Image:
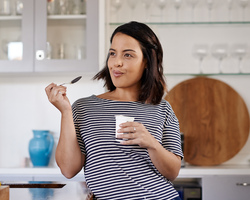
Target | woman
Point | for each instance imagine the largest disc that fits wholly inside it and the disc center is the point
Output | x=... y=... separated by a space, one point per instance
x=143 y=162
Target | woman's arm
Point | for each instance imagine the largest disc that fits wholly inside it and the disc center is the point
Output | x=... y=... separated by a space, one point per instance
x=68 y=154
x=167 y=163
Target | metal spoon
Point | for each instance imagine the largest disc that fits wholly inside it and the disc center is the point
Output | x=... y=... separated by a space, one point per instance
x=73 y=81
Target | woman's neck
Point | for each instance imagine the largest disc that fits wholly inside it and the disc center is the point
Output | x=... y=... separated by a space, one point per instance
x=120 y=95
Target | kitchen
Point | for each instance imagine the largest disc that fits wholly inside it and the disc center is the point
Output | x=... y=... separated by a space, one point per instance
x=24 y=105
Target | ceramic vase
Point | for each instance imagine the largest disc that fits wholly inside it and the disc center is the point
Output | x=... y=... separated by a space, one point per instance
x=40 y=148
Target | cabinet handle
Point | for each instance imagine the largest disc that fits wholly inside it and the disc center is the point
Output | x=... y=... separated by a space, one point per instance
x=243 y=184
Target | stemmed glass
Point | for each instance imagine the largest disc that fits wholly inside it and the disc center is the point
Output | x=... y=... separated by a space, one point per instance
x=161 y=4
x=192 y=3
x=230 y=6
x=243 y=4
x=177 y=5
x=200 y=51
x=220 y=51
x=132 y=5
x=210 y=7
x=117 y=4
x=146 y=4
x=239 y=51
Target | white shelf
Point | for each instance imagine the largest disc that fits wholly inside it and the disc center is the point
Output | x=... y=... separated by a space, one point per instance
x=10 y=17
x=67 y=17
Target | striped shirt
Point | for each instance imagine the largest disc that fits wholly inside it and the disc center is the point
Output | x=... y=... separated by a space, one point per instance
x=114 y=171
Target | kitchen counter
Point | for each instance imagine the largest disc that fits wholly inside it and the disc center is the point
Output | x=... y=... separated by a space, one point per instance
x=199 y=172
x=54 y=174
x=36 y=174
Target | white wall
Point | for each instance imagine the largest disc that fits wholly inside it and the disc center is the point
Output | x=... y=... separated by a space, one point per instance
x=24 y=106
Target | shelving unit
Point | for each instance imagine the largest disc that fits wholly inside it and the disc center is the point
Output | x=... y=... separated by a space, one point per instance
x=74 y=36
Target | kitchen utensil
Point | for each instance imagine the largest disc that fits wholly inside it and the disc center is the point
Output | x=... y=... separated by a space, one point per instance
x=73 y=81
x=213 y=118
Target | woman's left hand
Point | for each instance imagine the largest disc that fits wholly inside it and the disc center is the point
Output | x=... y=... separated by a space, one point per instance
x=136 y=133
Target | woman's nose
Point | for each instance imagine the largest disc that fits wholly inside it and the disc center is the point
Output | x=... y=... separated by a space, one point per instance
x=118 y=62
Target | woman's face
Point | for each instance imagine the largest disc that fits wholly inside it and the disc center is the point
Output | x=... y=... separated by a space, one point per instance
x=126 y=63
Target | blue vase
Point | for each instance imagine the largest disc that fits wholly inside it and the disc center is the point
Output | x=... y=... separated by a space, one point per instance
x=40 y=148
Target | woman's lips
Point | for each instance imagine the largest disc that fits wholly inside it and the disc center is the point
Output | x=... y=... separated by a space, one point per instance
x=117 y=73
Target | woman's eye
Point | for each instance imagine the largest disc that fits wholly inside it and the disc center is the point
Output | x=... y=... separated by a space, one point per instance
x=111 y=53
x=128 y=55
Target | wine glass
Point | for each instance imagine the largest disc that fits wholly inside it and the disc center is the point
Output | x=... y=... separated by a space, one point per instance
x=210 y=4
x=132 y=5
x=243 y=4
x=192 y=3
x=230 y=6
x=200 y=51
x=116 y=4
x=177 y=5
x=146 y=4
x=220 y=51
x=239 y=51
x=161 y=4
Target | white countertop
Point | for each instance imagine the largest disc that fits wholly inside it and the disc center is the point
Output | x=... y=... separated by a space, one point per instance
x=36 y=174
x=54 y=174
x=198 y=171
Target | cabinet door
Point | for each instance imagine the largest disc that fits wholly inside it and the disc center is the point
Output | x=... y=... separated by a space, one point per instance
x=16 y=37
x=226 y=187
x=65 y=41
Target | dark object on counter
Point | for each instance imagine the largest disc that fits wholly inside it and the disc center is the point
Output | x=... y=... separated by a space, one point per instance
x=213 y=117
x=34 y=185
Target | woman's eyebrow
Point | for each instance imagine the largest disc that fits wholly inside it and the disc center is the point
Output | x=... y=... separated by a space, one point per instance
x=129 y=50
x=125 y=50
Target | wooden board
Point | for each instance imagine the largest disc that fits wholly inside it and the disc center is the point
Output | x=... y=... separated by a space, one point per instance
x=213 y=118
x=4 y=193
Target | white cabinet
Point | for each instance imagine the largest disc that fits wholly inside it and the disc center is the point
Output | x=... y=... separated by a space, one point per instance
x=228 y=187
x=51 y=43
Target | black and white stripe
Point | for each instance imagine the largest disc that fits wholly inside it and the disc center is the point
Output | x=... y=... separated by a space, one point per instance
x=114 y=171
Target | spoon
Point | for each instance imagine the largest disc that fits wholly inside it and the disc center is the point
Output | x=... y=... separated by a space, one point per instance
x=73 y=81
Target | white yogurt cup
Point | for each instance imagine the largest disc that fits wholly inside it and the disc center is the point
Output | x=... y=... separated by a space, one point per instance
x=119 y=120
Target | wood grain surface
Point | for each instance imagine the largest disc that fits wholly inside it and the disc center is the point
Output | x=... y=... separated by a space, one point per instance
x=213 y=118
x=4 y=193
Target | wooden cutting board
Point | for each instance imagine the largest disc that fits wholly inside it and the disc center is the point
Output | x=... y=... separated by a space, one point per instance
x=213 y=118
x=4 y=193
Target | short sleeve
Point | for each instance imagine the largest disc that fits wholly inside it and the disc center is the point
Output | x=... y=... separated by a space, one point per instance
x=76 y=123
x=171 y=138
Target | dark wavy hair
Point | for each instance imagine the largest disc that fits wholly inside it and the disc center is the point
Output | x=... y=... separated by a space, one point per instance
x=153 y=84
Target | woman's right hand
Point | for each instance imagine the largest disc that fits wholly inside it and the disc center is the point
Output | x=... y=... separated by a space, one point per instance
x=57 y=96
